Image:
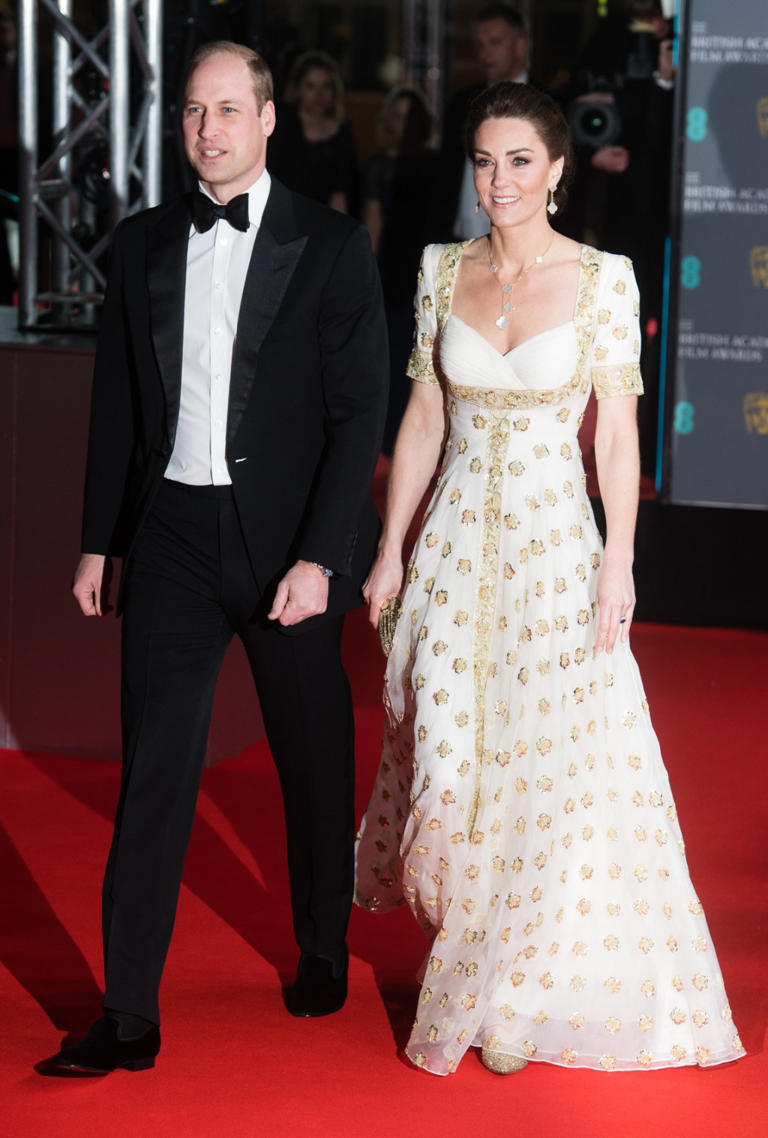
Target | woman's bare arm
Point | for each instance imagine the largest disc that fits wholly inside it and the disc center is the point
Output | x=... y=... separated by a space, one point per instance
x=618 y=471
x=417 y=451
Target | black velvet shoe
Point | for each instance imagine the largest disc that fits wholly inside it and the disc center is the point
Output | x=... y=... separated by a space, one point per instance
x=102 y=1051
x=320 y=988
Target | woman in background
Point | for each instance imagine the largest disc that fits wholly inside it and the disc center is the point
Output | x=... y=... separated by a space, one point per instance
x=312 y=150
x=397 y=186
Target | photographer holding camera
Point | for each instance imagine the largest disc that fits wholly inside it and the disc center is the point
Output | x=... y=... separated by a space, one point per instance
x=619 y=108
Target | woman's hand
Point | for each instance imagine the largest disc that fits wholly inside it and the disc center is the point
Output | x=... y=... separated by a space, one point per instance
x=385 y=580
x=616 y=601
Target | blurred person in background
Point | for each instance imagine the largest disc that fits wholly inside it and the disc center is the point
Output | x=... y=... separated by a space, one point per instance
x=9 y=147
x=313 y=149
x=398 y=184
x=501 y=45
x=619 y=105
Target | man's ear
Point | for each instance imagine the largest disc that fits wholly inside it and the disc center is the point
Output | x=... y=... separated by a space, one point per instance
x=268 y=117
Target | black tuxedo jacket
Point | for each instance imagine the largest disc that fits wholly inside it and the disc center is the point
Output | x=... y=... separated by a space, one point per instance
x=307 y=392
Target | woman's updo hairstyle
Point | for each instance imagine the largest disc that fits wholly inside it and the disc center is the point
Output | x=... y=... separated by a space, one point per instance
x=521 y=101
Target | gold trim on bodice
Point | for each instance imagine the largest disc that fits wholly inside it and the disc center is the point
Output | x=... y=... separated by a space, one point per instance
x=502 y=398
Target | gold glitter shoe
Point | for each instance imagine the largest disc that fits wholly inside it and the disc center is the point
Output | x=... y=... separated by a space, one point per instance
x=500 y=1063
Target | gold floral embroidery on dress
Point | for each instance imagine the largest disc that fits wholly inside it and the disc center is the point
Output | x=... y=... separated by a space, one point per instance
x=421 y=366
x=445 y=279
x=421 y=363
x=617 y=379
x=498 y=438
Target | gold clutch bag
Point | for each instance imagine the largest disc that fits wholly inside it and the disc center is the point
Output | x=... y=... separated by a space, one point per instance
x=388 y=616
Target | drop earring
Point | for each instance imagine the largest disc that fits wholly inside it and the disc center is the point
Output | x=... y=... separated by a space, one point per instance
x=477 y=207
x=552 y=207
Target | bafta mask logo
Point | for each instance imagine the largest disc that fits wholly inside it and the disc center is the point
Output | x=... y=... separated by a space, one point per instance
x=762 y=116
x=758 y=261
x=756 y=412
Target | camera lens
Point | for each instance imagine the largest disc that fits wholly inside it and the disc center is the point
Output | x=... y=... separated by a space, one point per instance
x=594 y=124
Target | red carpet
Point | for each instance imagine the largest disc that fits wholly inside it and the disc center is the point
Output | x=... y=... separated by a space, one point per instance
x=243 y=1067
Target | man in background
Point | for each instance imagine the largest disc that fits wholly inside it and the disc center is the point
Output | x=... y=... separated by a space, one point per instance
x=501 y=46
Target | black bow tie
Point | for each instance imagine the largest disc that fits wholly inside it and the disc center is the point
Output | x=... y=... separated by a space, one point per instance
x=206 y=213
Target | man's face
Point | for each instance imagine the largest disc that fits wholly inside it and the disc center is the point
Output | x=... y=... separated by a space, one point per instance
x=500 y=50
x=225 y=134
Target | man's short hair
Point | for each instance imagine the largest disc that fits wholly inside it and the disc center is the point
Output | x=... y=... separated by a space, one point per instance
x=504 y=12
x=260 y=74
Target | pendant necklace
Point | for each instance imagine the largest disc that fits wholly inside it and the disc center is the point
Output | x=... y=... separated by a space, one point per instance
x=506 y=304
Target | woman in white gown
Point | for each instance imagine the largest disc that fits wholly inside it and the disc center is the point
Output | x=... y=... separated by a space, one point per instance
x=522 y=808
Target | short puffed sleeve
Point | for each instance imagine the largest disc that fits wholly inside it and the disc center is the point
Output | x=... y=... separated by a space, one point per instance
x=421 y=365
x=615 y=355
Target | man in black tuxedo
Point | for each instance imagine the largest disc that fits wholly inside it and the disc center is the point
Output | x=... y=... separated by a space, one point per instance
x=501 y=45
x=238 y=403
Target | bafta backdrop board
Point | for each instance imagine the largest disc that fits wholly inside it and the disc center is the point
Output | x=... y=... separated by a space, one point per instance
x=718 y=423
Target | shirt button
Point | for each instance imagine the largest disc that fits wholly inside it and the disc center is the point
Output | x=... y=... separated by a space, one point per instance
x=217 y=377
x=217 y=422
x=217 y=331
x=219 y=286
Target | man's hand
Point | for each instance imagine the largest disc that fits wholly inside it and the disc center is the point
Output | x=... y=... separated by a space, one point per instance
x=91 y=583
x=611 y=159
x=596 y=97
x=303 y=592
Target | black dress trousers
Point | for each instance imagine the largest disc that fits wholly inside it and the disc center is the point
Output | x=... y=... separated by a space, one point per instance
x=189 y=589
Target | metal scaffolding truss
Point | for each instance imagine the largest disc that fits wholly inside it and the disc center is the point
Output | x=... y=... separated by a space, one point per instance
x=424 y=49
x=104 y=160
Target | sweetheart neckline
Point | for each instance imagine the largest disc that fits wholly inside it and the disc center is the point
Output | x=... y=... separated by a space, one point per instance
x=522 y=344
x=580 y=282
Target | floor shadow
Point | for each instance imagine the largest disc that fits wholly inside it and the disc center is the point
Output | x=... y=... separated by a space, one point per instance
x=400 y=1002
x=393 y=946
x=259 y=913
x=39 y=952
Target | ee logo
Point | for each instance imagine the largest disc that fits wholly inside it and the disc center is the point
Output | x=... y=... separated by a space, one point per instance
x=683 y=421
x=697 y=124
x=690 y=272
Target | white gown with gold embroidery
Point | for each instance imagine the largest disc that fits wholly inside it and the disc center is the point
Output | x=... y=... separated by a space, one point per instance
x=522 y=808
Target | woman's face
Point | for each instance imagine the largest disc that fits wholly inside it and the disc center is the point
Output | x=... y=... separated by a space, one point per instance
x=513 y=171
x=316 y=93
x=398 y=119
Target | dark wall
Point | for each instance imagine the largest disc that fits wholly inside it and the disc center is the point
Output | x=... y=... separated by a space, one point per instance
x=59 y=671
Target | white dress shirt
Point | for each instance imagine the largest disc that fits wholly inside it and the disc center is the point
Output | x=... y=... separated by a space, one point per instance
x=469 y=223
x=217 y=263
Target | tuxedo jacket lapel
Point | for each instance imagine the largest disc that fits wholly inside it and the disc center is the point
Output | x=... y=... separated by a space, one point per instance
x=166 y=278
x=276 y=253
